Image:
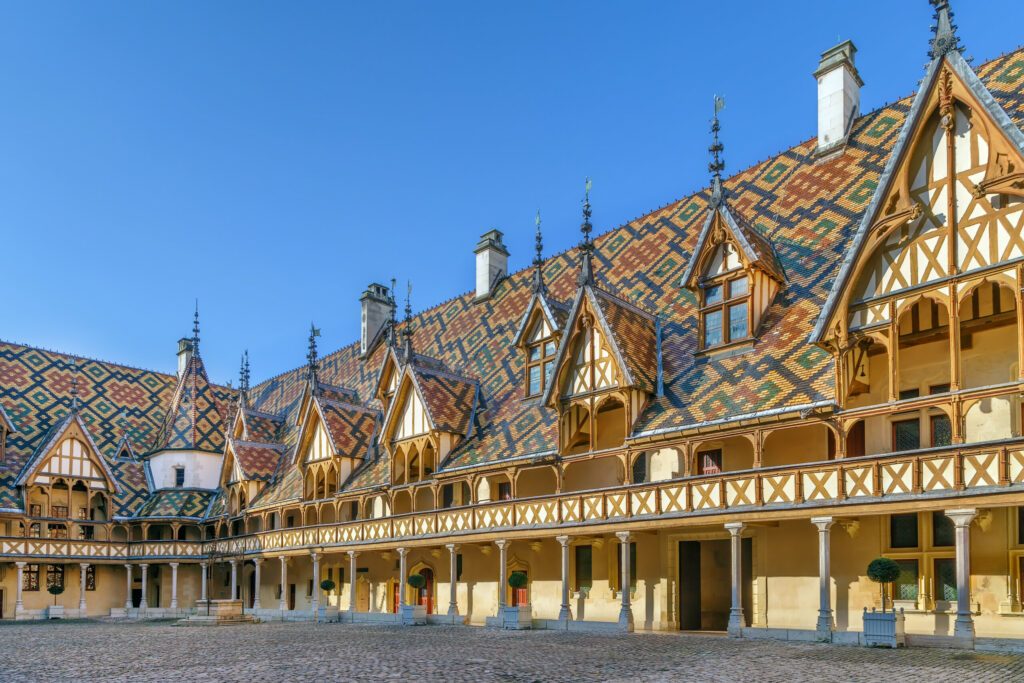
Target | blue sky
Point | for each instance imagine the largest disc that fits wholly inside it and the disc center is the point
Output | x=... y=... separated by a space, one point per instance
x=272 y=159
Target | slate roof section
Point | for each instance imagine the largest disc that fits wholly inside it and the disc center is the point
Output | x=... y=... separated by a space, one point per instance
x=449 y=399
x=634 y=334
x=261 y=427
x=756 y=248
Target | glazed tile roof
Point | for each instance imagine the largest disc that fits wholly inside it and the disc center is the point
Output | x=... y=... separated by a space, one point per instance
x=196 y=418
x=449 y=399
x=257 y=461
x=191 y=503
x=262 y=427
x=635 y=336
x=351 y=428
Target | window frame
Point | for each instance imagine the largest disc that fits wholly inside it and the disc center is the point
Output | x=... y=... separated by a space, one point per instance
x=179 y=473
x=543 y=358
x=723 y=306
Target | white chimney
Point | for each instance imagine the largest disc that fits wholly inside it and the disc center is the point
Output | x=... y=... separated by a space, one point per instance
x=376 y=305
x=491 y=262
x=839 y=87
x=184 y=353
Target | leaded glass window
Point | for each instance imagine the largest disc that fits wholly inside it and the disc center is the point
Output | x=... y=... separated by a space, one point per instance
x=906 y=435
x=945 y=579
x=903 y=531
x=943 y=530
x=906 y=585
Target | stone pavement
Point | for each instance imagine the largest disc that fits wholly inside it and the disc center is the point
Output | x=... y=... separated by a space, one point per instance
x=159 y=651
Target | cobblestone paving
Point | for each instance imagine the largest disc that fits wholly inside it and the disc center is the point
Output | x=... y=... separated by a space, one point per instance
x=109 y=651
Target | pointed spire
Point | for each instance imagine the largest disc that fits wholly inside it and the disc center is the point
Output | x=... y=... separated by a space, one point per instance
x=313 y=367
x=717 y=164
x=407 y=330
x=945 y=39
x=74 y=385
x=243 y=378
x=538 y=260
x=195 y=331
x=586 y=245
x=393 y=323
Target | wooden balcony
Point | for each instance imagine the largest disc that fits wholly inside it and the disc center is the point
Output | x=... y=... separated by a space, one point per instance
x=136 y=551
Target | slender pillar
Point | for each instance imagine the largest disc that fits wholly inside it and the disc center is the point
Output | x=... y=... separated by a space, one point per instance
x=257 y=563
x=403 y=553
x=128 y=592
x=83 y=608
x=19 y=605
x=203 y=569
x=626 y=611
x=964 y=625
x=234 y=579
x=315 y=598
x=453 y=577
x=826 y=624
x=143 y=605
x=352 y=554
x=174 y=585
x=284 y=583
x=736 y=612
x=502 y=574
x=564 y=613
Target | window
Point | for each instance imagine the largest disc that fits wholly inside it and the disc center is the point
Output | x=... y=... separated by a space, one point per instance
x=943 y=530
x=903 y=531
x=942 y=431
x=179 y=477
x=725 y=310
x=30 y=578
x=505 y=491
x=34 y=530
x=458 y=567
x=90 y=577
x=584 y=567
x=540 y=357
x=709 y=462
x=909 y=394
x=35 y=510
x=945 y=579
x=58 y=531
x=906 y=587
x=54 y=575
x=906 y=435
x=938 y=389
x=640 y=469
x=86 y=533
x=59 y=511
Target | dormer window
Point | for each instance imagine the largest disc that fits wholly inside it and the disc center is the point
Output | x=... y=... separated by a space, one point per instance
x=540 y=357
x=725 y=309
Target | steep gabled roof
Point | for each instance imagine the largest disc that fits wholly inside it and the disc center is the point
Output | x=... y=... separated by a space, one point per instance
x=351 y=428
x=756 y=248
x=6 y=422
x=260 y=426
x=57 y=432
x=195 y=420
x=555 y=312
x=256 y=461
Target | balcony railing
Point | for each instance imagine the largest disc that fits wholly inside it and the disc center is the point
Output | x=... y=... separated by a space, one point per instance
x=28 y=548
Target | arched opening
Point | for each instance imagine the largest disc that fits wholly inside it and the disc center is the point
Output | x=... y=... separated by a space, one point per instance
x=575 y=429
x=923 y=358
x=429 y=462
x=400 y=476
x=237 y=527
x=332 y=479
x=609 y=424
x=795 y=445
x=867 y=365
x=455 y=494
x=424 y=498
x=989 y=419
x=536 y=481
x=402 y=502
x=723 y=455
x=310 y=516
x=119 y=534
x=493 y=487
x=593 y=473
x=309 y=485
x=255 y=524
x=664 y=464
x=988 y=335
x=328 y=515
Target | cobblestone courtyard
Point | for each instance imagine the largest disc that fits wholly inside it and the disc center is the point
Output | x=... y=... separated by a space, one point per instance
x=91 y=651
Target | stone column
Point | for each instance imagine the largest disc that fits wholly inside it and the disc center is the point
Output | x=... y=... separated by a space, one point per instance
x=234 y=579
x=736 y=612
x=83 y=608
x=826 y=624
x=315 y=598
x=284 y=583
x=453 y=577
x=203 y=569
x=257 y=563
x=564 y=613
x=19 y=604
x=352 y=554
x=964 y=625
x=128 y=593
x=403 y=553
x=502 y=574
x=143 y=605
x=174 y=585
x=626 y=611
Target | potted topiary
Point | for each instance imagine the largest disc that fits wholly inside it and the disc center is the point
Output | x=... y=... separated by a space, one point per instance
x=55 y=611
x=884 y=629
x=327 y=611
x=520 y=616
x=416 y=613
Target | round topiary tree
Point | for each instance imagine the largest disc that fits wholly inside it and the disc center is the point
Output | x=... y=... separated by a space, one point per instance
x=55 y=590
x=417 y=581
x=517 y=580
x=327 y=585
x=883 y=570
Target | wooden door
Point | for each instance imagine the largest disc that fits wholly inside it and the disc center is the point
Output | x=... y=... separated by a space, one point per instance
x=363 y=596
x=521 y=596
x=426 y=596
x=689 y=586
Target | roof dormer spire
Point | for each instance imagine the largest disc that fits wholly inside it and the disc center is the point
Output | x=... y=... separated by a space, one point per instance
x=538 y=259
x=311 y=357
x=74 y=385
x=945 y=39
x=407 y=330
x=717 y=164
x=586 y=244
x=243 y=376
x=195 y=330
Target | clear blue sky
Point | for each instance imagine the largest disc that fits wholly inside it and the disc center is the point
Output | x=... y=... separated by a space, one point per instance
x=272 y=159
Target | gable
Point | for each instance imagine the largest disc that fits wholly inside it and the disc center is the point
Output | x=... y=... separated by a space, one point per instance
x=318 y=444
x=69 y=455
x=409 y=418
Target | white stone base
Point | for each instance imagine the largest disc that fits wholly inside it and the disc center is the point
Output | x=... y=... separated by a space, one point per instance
x=413 y=615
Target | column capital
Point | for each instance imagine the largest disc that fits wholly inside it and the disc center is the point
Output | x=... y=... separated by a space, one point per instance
x=203 y=563
x=83 y=565
x=501 y=543
x=283 y=558
x=144 y=566
x=823 y=523
x=233 y=563
x=173 y=565
x=21 y=565
x=353 y=554
x=623 y=536
x=962 y=517
x=562 y=540
x=402 y=552
x=735 y=528
x=452 y=547
x=314 y=555
x=257 y=561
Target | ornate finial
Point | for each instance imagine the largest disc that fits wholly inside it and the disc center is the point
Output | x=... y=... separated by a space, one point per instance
x=311 y=356
x=243 y=375
x=587 y=244
x=74 y=385
x=392 y=336
x=538 y=259
x=945 y=39
x=407 y=330
x=195 y=330
x=717 y=165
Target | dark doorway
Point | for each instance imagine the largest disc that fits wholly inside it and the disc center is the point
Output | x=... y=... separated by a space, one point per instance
x=252 y=588
x=291 y=596
x=426 y=596
x=136 y=597
x=1 y=603
x=705 y=586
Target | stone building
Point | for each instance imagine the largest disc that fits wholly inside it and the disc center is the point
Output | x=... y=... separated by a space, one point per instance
x=710 y=418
